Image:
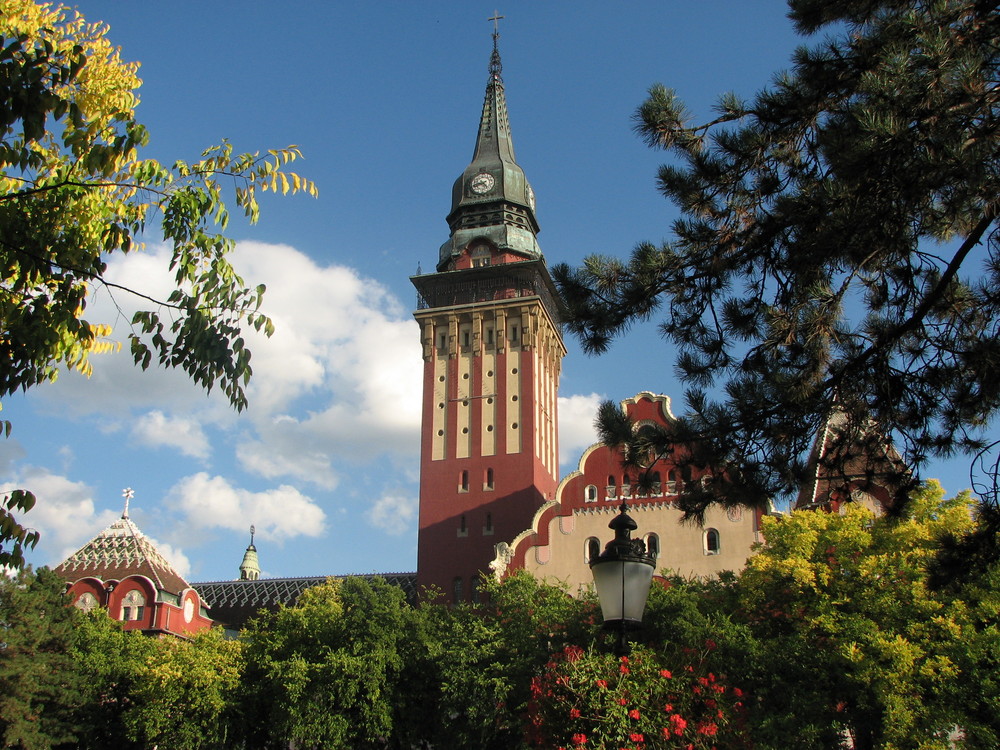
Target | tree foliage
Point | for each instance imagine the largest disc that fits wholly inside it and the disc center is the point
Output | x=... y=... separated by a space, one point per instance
x=75 y=193
x=39 y=684
x=829 y=634
x=838 y=249
x=323 y=674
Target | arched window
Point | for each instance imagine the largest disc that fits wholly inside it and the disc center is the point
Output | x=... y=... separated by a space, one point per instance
x=456 y=588
x=712 y=544
x=488 y=528
x=657 y=488
x=626 y=485
x=590 y=494
x=488 y=483
x=133 y=605
x=592 y=549
x=480 y=255
x=653 y=545
x=612 y=488
x=464 y=481
x=475 y=591
x=85 y=602
x=672 y=481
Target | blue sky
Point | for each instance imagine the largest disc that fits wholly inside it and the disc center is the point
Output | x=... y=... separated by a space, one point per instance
x=383 y=98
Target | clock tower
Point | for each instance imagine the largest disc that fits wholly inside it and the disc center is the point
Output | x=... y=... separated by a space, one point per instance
x=492 y=350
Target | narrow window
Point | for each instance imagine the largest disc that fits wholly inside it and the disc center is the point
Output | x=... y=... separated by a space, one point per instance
x=464 y=484
x=489 y=336
x=653 y=545
x=513 y=333
x=590 y=493
x=442 y=341
x=488 y=528
x=488 y=484
x=133 y=605
x=592 y=549
x=712 y=545
x=463 y=529
x=657 y=486
x=456 y=589
x=465 y=338
x=475 y=591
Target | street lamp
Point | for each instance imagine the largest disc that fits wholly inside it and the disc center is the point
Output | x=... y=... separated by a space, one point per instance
x=622 y=576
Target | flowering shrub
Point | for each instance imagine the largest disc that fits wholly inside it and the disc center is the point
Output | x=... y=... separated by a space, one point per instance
x=591 y=701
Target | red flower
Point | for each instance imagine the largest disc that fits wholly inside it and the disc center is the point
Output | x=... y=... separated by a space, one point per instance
x=536 y=686
x=710 y=644
x=634 y=713
x=708 y=729
x=573 y=653
x=579 y=739
x=668 y=708
x=677 y=723
x=623 y=669
x=602 y=684
x=574 y=713
x=737 y=692
x=636 y=737
x=665 y=673
x=622 y=702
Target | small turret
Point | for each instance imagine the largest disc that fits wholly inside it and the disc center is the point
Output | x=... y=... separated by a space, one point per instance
x=250 y=567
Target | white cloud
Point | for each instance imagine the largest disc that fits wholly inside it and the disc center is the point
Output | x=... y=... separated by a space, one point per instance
x=576 y=426
x=64 y=513
x=278 y=514
x=174 y=556
x=394 y=514
x=185 y=434
x=338 y=383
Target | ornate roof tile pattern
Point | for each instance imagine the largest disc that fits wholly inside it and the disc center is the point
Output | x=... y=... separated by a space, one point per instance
x=235 y=602
x=122 y=550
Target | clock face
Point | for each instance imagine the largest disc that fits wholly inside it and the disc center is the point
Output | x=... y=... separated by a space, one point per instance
x=188 y=610
x=482 y=183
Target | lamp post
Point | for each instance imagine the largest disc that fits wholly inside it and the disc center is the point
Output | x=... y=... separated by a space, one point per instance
x=622 y=576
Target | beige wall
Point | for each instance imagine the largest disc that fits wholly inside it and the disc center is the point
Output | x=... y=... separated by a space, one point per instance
x=682 y=546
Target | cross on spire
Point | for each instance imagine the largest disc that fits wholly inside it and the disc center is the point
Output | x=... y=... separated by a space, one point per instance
x=128 y=493
x=496 y=25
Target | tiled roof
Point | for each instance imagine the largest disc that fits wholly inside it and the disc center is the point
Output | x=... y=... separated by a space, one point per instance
x=122 y=550
x=235 y=602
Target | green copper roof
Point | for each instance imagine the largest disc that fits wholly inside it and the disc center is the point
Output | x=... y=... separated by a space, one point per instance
x=492 y=198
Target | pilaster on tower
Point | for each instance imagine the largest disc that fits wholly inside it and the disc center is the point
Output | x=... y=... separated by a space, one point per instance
x=492 y=348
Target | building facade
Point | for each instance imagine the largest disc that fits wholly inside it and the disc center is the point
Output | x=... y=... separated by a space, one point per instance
x=121 y=571
x=492 y=351
x=571 y=530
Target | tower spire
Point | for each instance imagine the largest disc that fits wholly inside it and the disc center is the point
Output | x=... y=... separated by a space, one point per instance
x=495 y=67
x=250 y=567
x=128 y=493
x=492 y=200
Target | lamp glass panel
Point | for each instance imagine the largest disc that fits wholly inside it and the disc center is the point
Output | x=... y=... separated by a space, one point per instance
x=622 y=587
